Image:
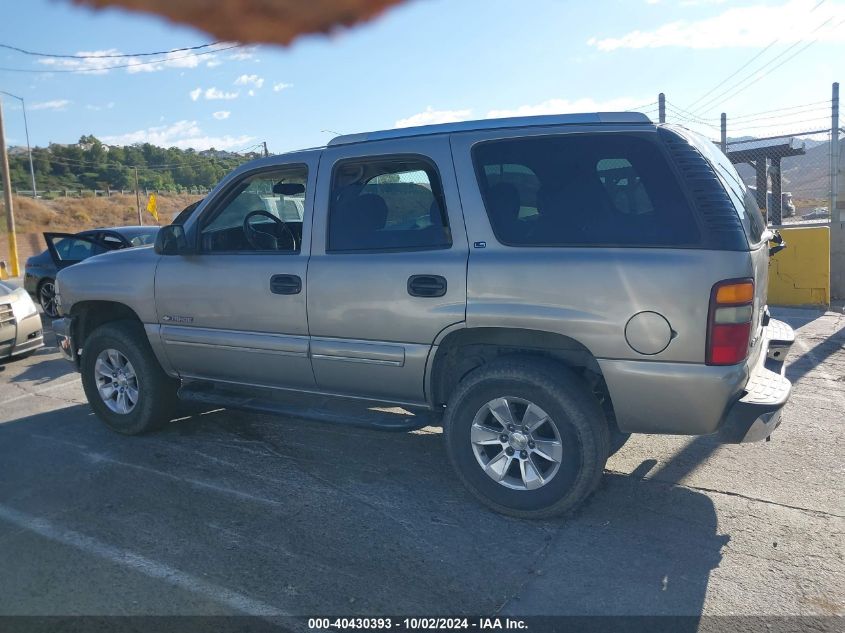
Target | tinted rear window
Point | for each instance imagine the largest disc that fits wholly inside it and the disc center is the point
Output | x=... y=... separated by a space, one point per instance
x=742 y=199
x=585 y=189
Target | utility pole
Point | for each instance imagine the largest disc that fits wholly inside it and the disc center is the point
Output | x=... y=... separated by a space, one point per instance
x=834 y=156
x=138 y=198
x=724 y=139
x=7 y=198
x=661 y=107
x=28 y=146
x=266 y=153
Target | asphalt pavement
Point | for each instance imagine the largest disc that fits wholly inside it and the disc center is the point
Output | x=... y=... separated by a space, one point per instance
x=227 y=512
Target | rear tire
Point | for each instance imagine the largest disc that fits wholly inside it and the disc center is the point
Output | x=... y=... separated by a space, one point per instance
x=573 y=429
x=122 y=347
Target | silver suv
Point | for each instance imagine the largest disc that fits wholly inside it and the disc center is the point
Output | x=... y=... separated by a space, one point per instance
x=542 y=286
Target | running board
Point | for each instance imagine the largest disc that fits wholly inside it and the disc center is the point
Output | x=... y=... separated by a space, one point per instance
x=332 y=410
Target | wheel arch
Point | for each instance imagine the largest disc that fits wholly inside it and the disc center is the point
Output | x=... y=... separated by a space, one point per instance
x=461 y=350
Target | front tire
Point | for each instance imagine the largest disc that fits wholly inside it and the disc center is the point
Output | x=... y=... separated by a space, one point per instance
x=123 y=381
x=526 y=437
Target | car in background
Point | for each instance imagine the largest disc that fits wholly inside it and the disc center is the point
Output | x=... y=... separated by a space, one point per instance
x=65 y=249
x=20 y=323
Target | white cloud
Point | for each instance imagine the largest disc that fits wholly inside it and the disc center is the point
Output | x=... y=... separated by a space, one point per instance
x=102 y=61
x=750 y=27
x=221 y=114
x=251 y=93
x=551 y=106
x=431 y=116
x=56 y=104
x=281 y=86
x=565 y=106
x=195 y=93
x=214 y=94
x=182 y=134
x=242 y=54
x=250 y=80
x=97 y=108
x=214 y=63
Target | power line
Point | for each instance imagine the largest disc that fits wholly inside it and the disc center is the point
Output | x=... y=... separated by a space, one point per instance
x=96 y=69
x=740 y=86
x=104 y=56
x=743 y=67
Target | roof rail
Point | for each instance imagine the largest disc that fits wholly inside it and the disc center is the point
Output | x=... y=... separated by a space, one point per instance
x=494 y=124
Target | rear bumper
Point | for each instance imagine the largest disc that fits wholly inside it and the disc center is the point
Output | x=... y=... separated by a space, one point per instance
x=759 y=410
x=739 y=402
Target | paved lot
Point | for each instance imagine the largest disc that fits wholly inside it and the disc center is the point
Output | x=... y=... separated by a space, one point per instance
x=227 y=512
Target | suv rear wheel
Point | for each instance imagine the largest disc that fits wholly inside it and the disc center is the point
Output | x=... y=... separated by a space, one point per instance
x=123 y=381
x=526 y=437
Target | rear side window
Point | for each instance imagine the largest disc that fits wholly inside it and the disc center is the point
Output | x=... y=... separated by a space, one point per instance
x=586 y=189
x=387 y=205
x=743 y=200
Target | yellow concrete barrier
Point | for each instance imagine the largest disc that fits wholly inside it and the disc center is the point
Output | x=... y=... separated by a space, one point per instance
x=800 y=274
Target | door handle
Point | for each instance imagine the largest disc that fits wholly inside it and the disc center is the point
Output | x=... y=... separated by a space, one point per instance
x=285 y=284
x=426 y=286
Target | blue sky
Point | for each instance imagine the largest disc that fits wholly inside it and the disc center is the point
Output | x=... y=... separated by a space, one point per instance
x=425 y=61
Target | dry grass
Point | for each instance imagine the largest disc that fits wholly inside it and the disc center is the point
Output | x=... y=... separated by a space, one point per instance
x=77 y=214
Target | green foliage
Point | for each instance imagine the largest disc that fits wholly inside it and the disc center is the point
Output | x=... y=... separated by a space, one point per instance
x=91 y=165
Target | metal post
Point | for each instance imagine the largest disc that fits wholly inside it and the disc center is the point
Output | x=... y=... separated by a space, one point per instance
x=28 y=146
x=761 y=168
x=724 y=132
x=138 y=198
x=7 y=198
x=661 y=107
x=776 y=212
x=266 y=153
x=834 y=156
x=29 y=150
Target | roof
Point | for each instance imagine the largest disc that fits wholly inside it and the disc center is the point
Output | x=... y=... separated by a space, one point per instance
x=494 y=124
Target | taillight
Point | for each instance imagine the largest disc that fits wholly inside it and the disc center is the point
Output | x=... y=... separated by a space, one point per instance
x=729 y=321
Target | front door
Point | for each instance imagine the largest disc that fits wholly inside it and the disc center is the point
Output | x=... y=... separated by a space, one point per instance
x=388 y=266
x=235 y=310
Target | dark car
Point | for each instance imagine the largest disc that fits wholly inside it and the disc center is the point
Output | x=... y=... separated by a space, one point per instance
x=65 y=249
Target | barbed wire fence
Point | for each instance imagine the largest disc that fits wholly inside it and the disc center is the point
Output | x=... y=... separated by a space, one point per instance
x=789 y=157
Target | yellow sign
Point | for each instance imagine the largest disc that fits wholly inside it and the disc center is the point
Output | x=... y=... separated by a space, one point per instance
x=151 y=206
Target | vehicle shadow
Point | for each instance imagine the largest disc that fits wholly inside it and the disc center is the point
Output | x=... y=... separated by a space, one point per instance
x=316 y=518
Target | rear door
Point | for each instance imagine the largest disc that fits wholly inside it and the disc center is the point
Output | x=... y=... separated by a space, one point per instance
x=67 y=249
x=388 y=265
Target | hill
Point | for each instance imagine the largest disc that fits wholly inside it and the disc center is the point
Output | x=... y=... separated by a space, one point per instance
x=90 y=164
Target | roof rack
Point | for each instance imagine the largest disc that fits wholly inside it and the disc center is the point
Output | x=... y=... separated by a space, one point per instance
x=493 y=124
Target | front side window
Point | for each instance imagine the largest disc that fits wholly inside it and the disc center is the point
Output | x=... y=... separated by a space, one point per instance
x=262 y=213
x=387 y=204
x=584 y=189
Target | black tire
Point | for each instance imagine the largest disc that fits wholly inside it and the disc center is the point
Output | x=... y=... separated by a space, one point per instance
x=157 y=402
x=46 y=293
x=571 y=407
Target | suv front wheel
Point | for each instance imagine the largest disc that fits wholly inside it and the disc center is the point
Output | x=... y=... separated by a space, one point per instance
x=123 y=381
x=526 y=437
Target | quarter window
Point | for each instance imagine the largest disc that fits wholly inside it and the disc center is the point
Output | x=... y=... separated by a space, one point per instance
x=387 y=204
x=585 y=189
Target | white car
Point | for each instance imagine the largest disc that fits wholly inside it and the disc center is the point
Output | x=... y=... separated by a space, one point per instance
x=20 y=323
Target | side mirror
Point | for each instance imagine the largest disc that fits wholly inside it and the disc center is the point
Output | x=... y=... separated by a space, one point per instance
x=171 y=240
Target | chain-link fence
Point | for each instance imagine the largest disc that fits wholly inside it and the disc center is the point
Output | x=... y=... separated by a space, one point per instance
x=784 y=155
